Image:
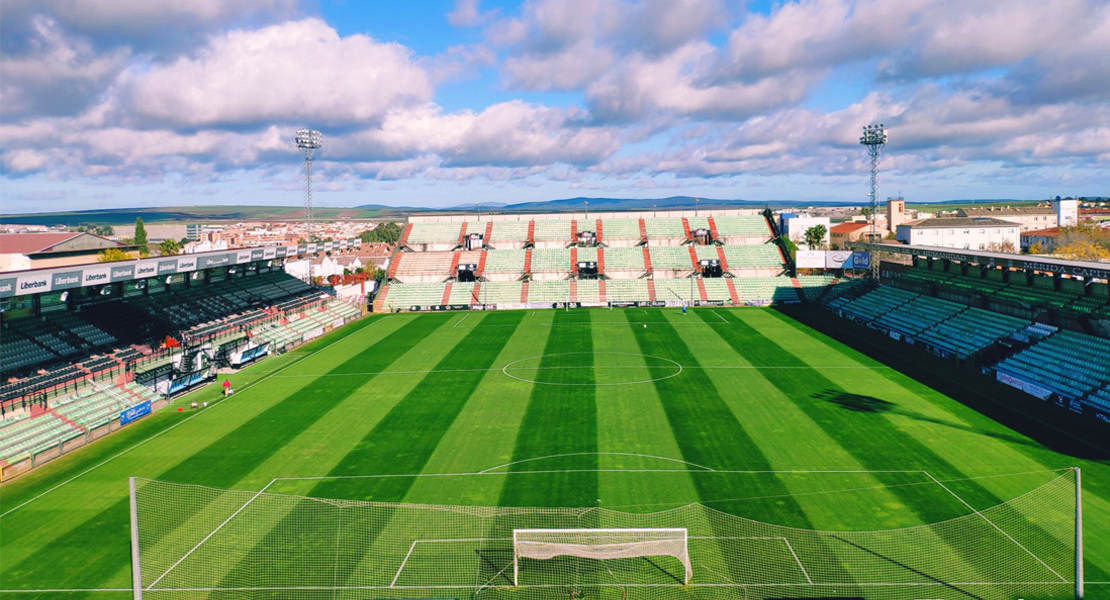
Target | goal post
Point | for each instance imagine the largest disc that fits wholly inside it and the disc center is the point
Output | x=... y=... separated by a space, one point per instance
x=601 y=544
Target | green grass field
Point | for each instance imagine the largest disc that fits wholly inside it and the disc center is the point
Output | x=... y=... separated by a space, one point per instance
x=556 y=409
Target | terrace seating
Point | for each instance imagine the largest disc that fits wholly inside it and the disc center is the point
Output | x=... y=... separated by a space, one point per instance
x=918 y=314
x=505 y=261
x=813 y=285
x=552 y=230
x=717 y=289
x=462 y=293
x=742 y=225
x=33 y=435
x=549 y=291
x=588 y=291
x=664 y=228
x=873 y=304
x=970 y=331
x=551 y=260
x=762 y=290
x=508 y=231
x=620 y=229
x=499 y=292
x=587 y=254
x=432 y=232
x=1068 y=363
x=402 y=295
x=624 y=259
x=752 y=256
x=626 y=290
x=698 y=222
x=684 y=289
x=668 y=258
x=707 y=252
x=424 y=264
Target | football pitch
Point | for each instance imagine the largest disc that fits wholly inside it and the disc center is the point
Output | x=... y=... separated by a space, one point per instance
x=743 y=412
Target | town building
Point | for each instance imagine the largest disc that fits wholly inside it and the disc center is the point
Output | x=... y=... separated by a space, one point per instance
x=1047 y=238
x=21 y=251
x=967 y=233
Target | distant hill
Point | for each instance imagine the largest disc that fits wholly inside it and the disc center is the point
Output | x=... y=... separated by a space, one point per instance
x=204 y=214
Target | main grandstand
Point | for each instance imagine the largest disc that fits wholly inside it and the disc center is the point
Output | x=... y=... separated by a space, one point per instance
x=721 y=258
x=86 y=349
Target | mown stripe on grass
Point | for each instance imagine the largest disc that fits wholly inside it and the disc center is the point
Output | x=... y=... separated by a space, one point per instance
x=401 y=443
x=229 y=458
x=560 y=419
x=709 y=434
x=855 y=421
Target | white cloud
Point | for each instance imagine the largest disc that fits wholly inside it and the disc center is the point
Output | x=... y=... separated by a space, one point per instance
x=296 y=71
x=466 y=14
x=58 y=75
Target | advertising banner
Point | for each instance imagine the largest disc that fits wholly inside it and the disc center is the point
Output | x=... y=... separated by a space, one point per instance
x=566 y=305
x=135 y=413
x=96 y=275
x=651 y=304
x=65 y=280
x=838 y=259
x=809 y=259
x=440 y=307
x=709 y=303
x=861 y=260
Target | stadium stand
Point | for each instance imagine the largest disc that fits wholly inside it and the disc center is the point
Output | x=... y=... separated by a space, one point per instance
x=626 y=290
x=554 y=231
x=551 y=260
x=752 y=256
x=1064 y=363
x=765 y=290
x=505 y=261
x=511 y=232
x=617 y=230
x=549 y=291
x=69 y=417
x=401 y=295
x=814 y=285
x=500 y=292
x=664 y=228
x=742 y=226
x=669 y=258
x=624 y=259
x=972 y=330
x=434 y=232
x=587 y=291
x=423 y=266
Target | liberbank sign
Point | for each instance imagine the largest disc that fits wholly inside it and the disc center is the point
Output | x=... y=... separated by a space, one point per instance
x=64 y=278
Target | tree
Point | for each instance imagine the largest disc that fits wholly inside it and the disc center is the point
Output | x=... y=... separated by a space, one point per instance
x=169 y=248
x=386 y=231
x=1036 y=248
x=1084 y=250
x=111 y=255
x=140 y=232
x=815 y=236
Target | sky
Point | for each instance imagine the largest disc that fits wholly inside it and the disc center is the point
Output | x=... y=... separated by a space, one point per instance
x=128 y=103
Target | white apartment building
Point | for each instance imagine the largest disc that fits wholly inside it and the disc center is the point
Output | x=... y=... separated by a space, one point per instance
x=978 y=233
x=1030 y=218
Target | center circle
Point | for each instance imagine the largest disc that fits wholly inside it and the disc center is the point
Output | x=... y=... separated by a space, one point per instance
x=592 y=369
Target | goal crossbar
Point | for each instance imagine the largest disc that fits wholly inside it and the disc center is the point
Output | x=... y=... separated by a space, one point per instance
x=602 y=544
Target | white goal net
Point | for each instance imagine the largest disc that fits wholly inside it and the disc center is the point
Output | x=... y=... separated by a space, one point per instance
x=600 y=544
x=194 y=542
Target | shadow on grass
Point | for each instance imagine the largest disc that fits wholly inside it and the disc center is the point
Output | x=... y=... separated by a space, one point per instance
x=870 y=404
x=1071 y=434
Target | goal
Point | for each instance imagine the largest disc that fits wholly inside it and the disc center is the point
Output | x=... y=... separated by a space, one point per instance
x=601 y=544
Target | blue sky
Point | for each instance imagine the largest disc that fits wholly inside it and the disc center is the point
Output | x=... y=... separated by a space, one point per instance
x=127 y=103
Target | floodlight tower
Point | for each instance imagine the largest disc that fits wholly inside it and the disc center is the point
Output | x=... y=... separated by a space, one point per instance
x=874 y=139
x=308 y=142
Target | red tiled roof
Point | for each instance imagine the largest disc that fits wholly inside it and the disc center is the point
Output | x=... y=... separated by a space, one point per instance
x=1050 y=232
x=31 y=243
x=848 y=227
